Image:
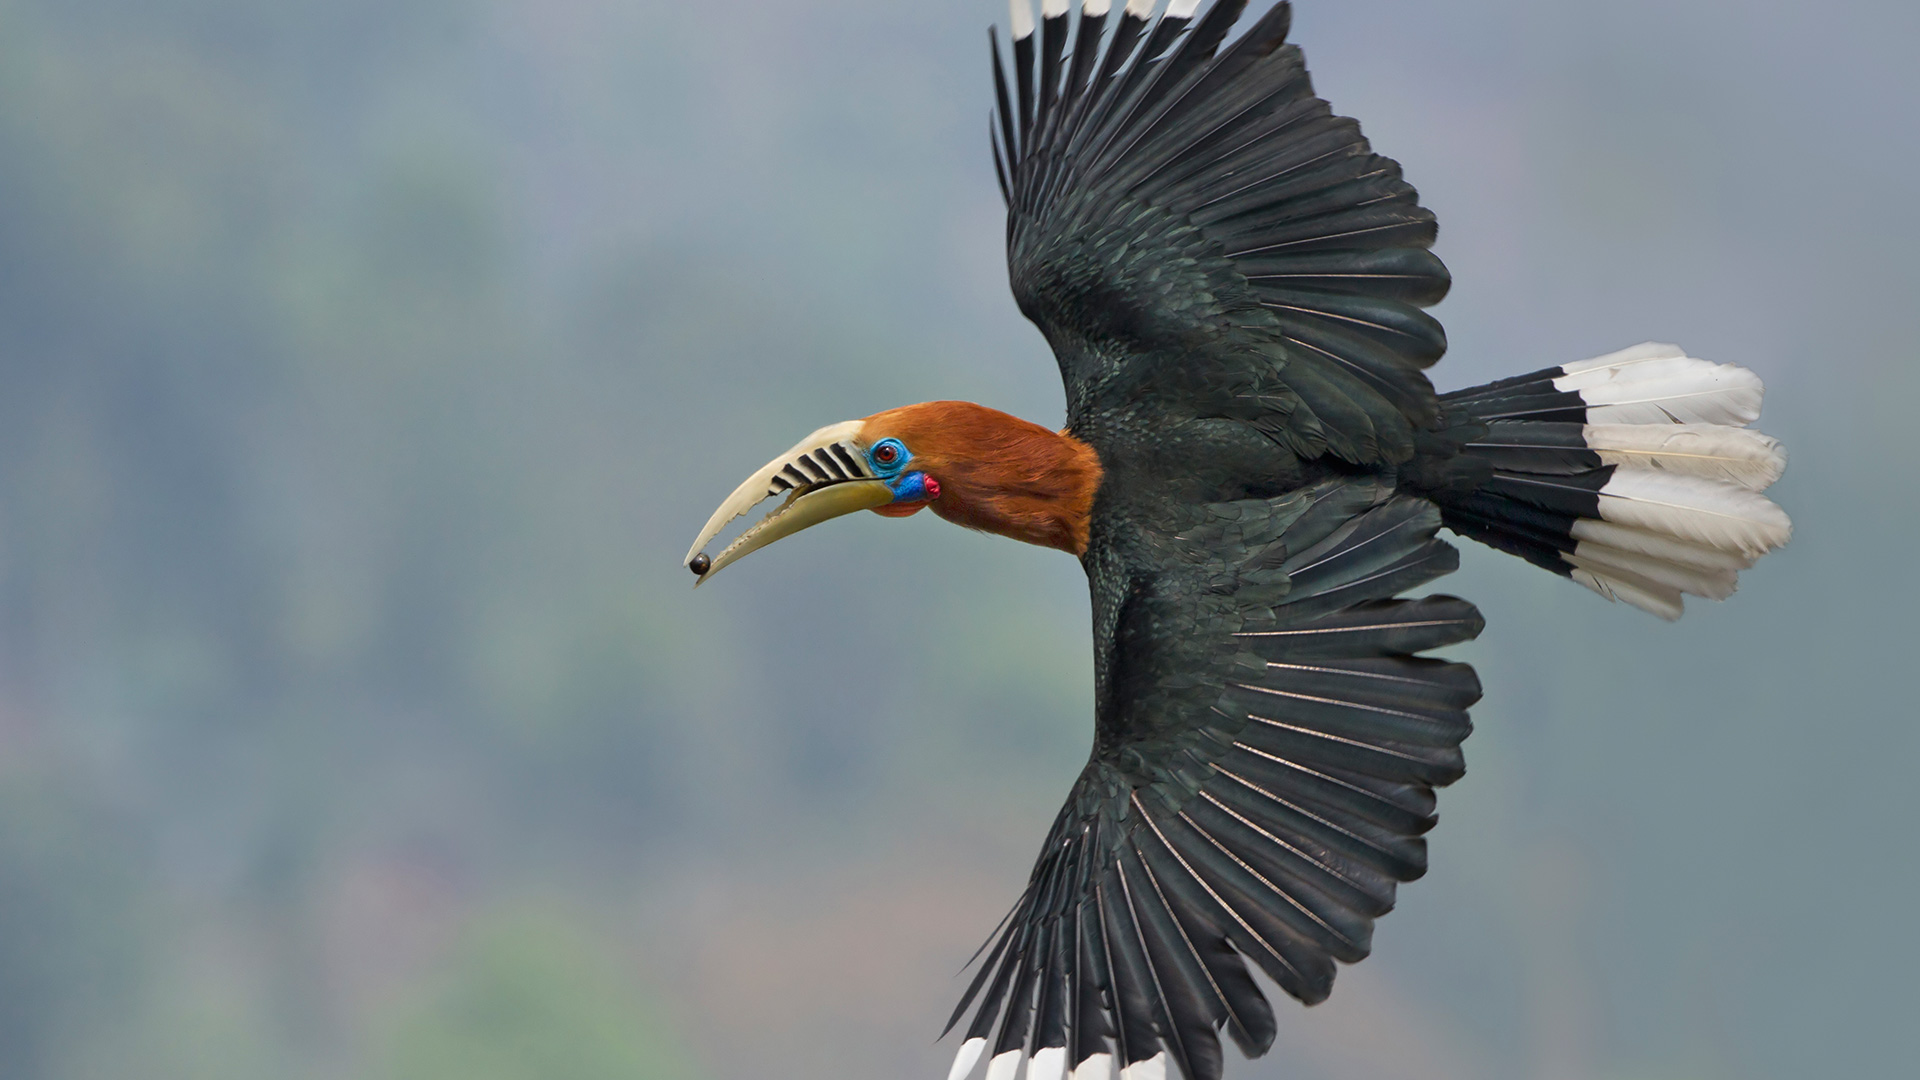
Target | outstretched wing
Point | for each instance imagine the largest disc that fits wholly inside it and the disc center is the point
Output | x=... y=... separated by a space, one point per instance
x=1268 y=746
x=1193 y=228
x=1215 y=257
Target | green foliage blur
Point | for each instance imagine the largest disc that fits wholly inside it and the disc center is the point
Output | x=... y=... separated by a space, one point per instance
x=366 y=366
x=281 y=616
x=532 y=999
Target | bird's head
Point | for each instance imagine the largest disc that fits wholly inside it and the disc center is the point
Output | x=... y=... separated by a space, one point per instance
x=973 y=465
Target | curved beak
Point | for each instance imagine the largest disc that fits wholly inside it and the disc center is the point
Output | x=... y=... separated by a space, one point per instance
x=824 y=477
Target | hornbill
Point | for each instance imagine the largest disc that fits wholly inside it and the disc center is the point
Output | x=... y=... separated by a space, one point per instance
x=1254 y=469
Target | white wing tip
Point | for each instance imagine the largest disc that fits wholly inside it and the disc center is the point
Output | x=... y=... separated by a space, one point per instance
x=1182 y=9
x=1005 y=1066
x=1154 y=1068
x=1021 y=16
x=966 y=1059
x=1140 y=9
x=1096 y=9
x=1052 y=9
x=1048 y=1064
x=1096 y=1067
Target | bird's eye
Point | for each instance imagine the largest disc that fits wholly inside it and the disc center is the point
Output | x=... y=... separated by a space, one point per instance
x=889 y=455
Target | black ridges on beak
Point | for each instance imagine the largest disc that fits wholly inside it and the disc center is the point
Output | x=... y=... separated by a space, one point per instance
x=836 y=461
x=824 y=477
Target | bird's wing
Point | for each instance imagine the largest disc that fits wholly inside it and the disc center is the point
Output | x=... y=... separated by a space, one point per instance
x=1267 y=747
x=1175 y=206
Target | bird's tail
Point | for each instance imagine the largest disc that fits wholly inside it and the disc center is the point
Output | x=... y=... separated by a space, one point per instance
x=1634 y=474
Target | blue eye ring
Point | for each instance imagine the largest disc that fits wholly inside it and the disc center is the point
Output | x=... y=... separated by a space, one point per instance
x=888 y=457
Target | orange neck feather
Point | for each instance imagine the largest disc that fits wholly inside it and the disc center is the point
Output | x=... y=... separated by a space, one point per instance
x=999 y=473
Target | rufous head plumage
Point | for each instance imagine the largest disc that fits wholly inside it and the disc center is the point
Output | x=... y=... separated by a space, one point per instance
x=974 y=466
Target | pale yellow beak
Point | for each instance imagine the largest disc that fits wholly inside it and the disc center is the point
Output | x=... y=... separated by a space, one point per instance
x=824 y=477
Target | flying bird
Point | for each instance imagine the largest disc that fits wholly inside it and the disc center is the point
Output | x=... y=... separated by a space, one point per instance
x=1254 y=470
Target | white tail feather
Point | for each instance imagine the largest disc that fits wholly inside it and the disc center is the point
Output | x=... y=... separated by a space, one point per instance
x=1681 y=511
x=1632 y=354
x=1096 y=9
x=1656 y=546
x=1712 y=584
x=1665 y=603
x=1703 y=512
x=1714 y=451
x=1005 y=1066
x=1656 y=384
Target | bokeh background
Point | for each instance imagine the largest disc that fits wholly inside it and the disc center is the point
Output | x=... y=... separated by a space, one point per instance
x=365 y=367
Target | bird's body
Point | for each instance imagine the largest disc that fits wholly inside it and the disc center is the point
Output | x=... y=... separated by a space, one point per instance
x=1254 y=469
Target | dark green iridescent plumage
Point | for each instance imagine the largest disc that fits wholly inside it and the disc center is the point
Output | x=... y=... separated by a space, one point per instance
x=1232 y=282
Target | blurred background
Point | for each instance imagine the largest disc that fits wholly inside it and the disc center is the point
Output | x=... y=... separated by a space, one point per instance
x=366 y=366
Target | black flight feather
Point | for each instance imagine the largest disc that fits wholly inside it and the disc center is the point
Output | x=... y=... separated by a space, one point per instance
x=1232 y=281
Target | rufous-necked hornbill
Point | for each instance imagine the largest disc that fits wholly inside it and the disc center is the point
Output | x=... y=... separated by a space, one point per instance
x=1253 y=470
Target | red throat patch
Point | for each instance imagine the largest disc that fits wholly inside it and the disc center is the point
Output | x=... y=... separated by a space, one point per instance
x=900 y=510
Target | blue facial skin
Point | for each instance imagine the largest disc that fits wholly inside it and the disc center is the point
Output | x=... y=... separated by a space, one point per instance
x=907 y=486
x=911 y=488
